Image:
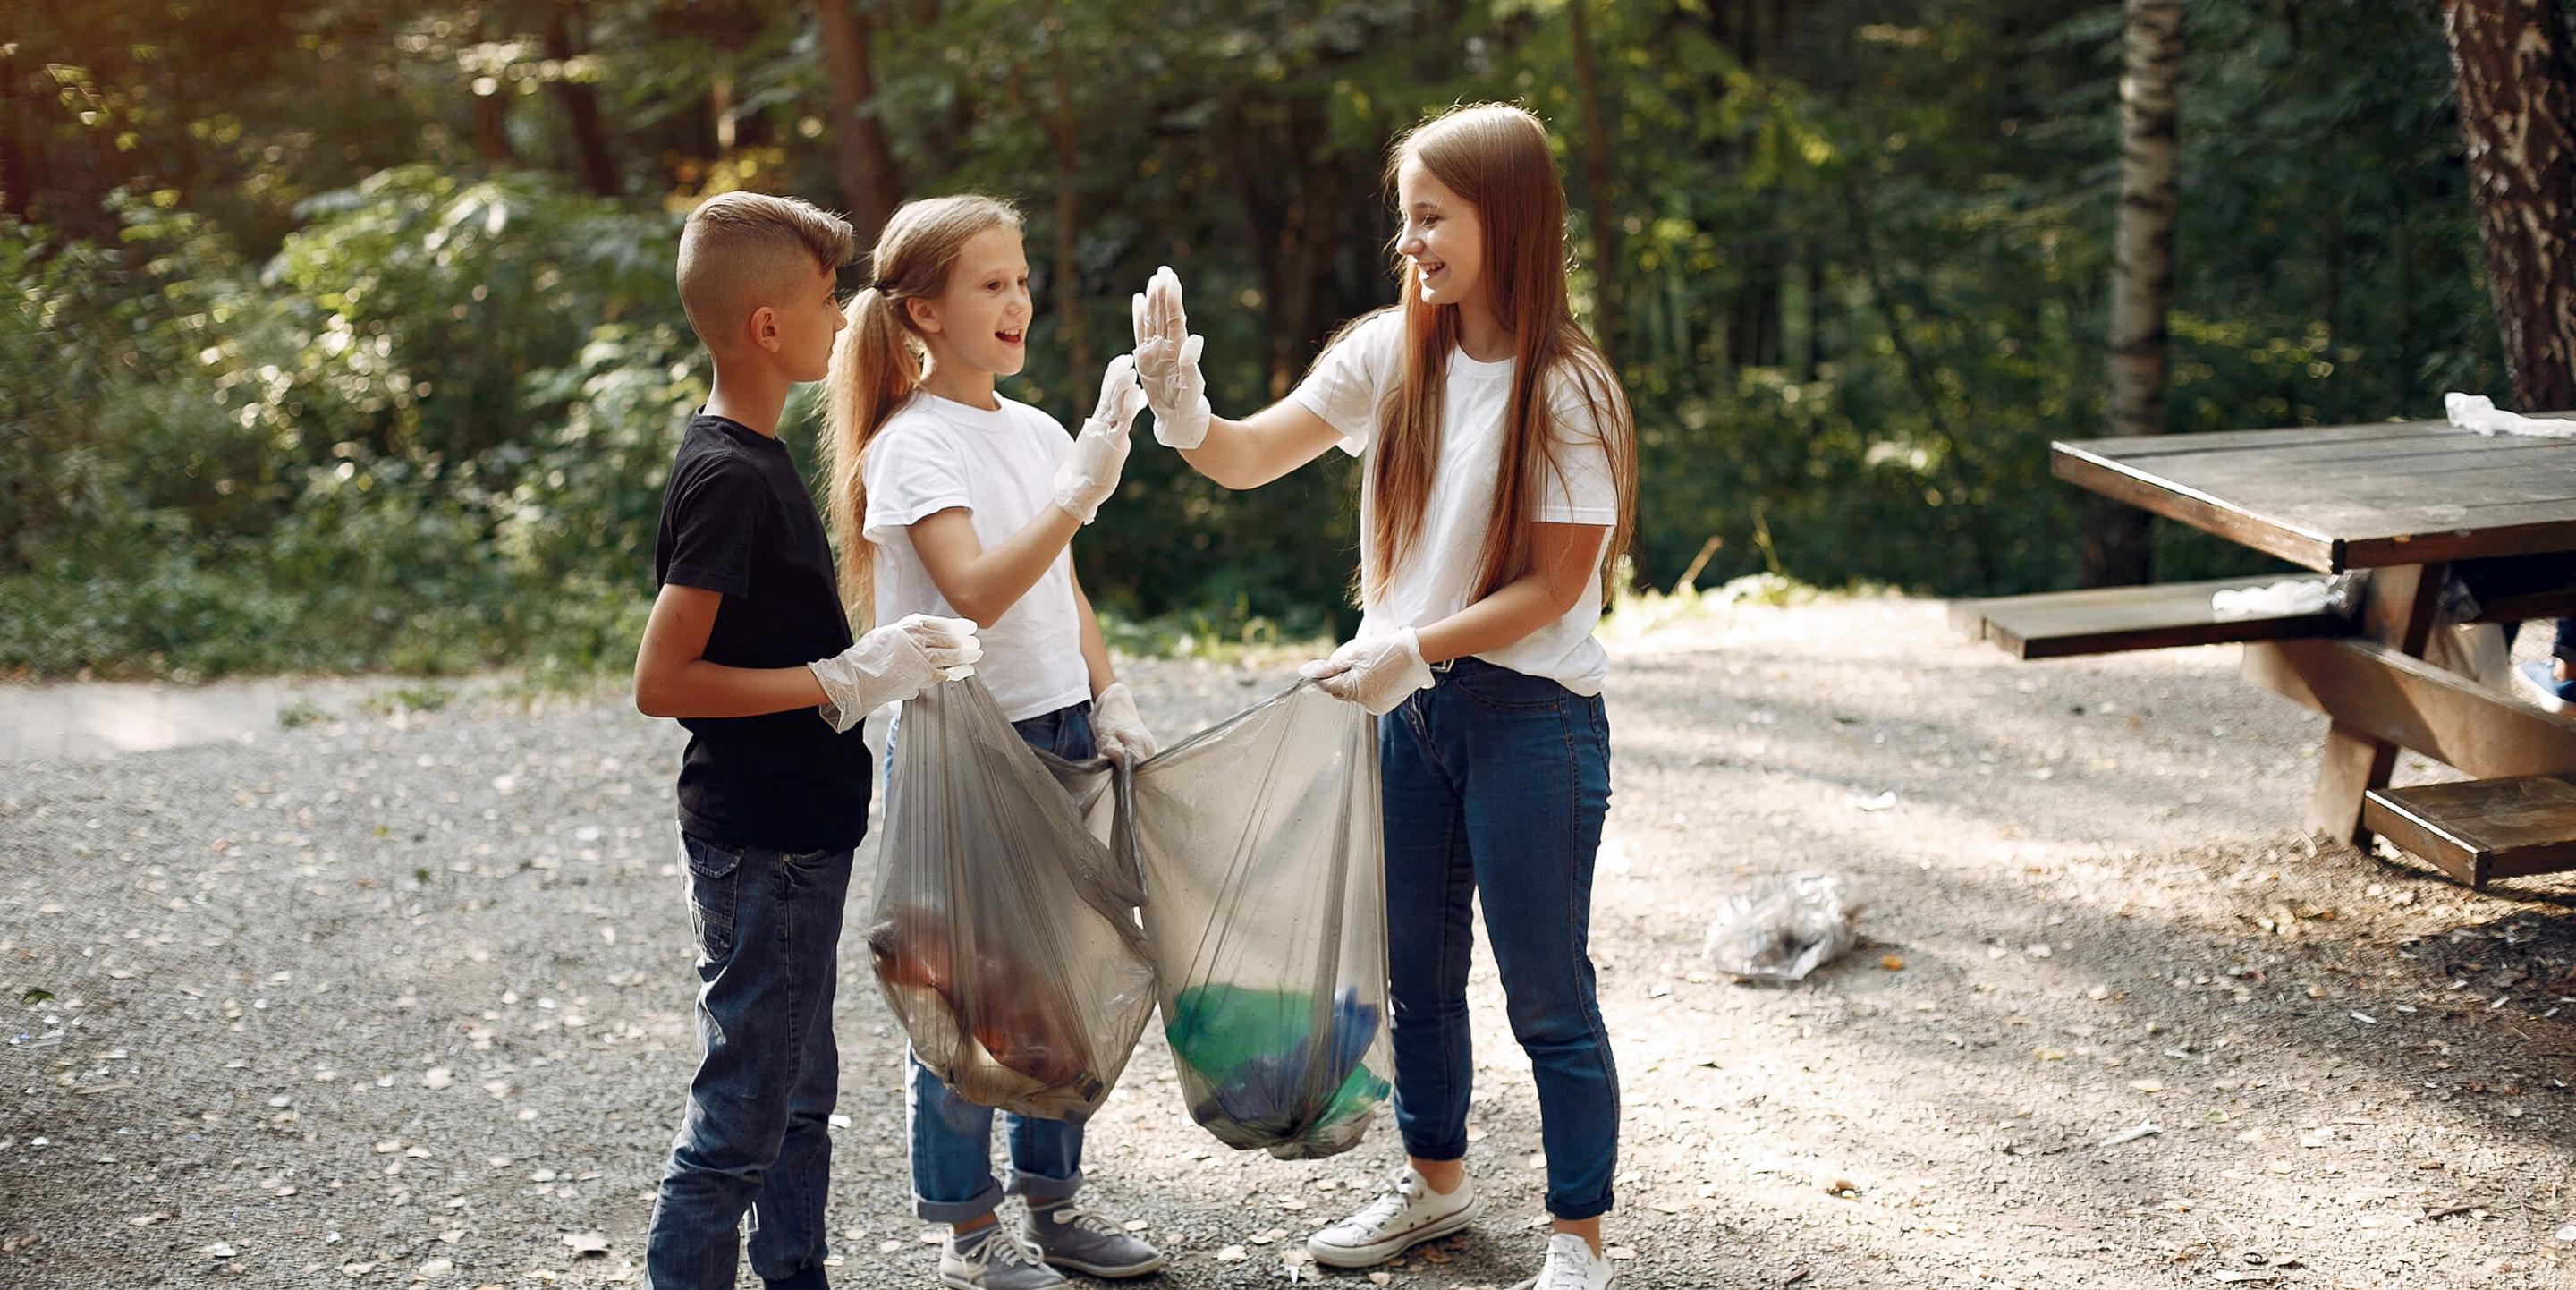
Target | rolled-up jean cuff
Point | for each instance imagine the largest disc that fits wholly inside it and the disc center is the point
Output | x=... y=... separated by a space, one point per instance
x=1042 y=1189
x=1578 y=1213
x=1451 y=1151
x=958 y=1211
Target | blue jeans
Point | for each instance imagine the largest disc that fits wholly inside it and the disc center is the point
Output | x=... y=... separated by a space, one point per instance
x=755 y=1137
x=1496 y=785
x=952 y=1138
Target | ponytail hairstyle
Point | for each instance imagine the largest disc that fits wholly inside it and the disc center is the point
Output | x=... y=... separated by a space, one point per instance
x=877 y=361
x=1495 y=156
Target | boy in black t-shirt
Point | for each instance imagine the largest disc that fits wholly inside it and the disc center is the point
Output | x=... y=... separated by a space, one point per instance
x=749 y=647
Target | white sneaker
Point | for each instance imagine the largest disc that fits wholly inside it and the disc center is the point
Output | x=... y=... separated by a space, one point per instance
x=1571 y=1265
x=1396 y=1222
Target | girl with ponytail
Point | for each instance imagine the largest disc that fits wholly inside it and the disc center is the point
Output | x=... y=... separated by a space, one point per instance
x=949 y=499
x=1498 y=484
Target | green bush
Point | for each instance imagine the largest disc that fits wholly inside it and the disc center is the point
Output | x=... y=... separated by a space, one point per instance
x=426 y=436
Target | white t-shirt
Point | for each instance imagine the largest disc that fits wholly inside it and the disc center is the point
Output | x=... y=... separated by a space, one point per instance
x=934 y=454
x=1438 y=576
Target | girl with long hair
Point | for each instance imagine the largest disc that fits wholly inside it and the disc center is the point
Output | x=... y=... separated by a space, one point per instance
x=1499 y=483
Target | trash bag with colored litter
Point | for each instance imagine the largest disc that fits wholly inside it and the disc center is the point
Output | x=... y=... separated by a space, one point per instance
x=1265 y=915
x=1003 y=932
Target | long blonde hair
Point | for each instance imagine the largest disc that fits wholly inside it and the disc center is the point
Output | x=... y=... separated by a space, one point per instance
x=877 y=361
x=1494 y=156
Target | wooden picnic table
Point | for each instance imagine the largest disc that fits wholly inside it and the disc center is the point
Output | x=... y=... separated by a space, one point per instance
x=2400 y=502
x=2334 y=498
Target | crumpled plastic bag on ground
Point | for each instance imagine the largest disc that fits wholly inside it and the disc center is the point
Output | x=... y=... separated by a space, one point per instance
x=1782 y=927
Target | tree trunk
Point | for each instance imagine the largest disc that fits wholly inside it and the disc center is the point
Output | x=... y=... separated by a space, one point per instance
x=861 y=158
x=1596 y=183
x=564 y=43
x=491 y=116
x=1295 y=213
x=1812 y=357
x=2518 y=111
x=19 y=143
x=1068 y=211
x=2117 y=540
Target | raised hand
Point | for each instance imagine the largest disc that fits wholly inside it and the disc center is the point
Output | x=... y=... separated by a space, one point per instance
x=1167 y=361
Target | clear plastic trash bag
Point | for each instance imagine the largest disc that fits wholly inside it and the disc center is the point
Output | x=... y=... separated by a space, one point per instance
x=1263 y=866
x=1782 y=927
x=1003 y=932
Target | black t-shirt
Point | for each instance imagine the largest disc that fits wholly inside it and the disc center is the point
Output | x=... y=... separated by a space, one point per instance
x=736 y=519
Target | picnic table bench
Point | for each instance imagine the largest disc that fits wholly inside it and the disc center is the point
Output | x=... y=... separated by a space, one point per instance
x=2397 y=503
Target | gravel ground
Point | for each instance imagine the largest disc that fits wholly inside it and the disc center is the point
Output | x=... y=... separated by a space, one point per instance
x=407 y=1001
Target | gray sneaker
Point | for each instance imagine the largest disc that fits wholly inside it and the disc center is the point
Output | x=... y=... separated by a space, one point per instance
x=1069 y=1236
x=993 y=1259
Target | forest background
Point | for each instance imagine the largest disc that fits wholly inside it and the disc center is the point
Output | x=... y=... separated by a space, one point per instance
x=340 y=334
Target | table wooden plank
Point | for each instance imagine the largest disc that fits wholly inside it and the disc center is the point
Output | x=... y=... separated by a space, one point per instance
x=2409 y=702
x=2107 y=620
x=2340 y=497
x=2377 y=460
x=2270 y=534
x=2522 y=529
x=2150 y=445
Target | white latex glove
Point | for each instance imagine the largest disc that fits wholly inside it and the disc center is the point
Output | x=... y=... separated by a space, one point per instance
x=1090 y=475
x=894 y=662
x=1376 y=673
x=2478 y=412
x=1167 y=360
x=1119 y=729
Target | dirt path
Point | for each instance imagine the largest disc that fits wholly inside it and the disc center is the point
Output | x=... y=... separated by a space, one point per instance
x=365 y=1005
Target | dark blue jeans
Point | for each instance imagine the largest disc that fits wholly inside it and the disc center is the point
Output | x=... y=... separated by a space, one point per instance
x=952 y=1138
x=1496 y=785
x=755 y=1137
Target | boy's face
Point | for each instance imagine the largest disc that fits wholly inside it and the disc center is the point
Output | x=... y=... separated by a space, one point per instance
x=1443 y=239
x=981 y=321
x=804 y=325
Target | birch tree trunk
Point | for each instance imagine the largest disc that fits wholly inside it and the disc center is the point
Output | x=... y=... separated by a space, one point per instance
x=2118 y=545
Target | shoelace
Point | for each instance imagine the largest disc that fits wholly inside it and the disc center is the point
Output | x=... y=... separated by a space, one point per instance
x=1072 y=1214
x=998 y=1248
x=1568 y=1273
x=1383 y=1210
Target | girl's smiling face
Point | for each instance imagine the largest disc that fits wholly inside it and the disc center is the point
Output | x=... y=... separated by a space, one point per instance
x=981 y=321
x=1443 y=239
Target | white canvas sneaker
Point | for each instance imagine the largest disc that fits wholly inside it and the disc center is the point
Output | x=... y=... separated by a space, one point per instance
x=1396 y=1222
x=1571 y=1265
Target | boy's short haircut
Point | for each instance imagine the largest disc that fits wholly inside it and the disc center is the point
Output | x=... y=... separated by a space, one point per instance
x=742 y=250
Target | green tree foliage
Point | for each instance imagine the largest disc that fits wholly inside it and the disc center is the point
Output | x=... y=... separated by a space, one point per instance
x=323 y=350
